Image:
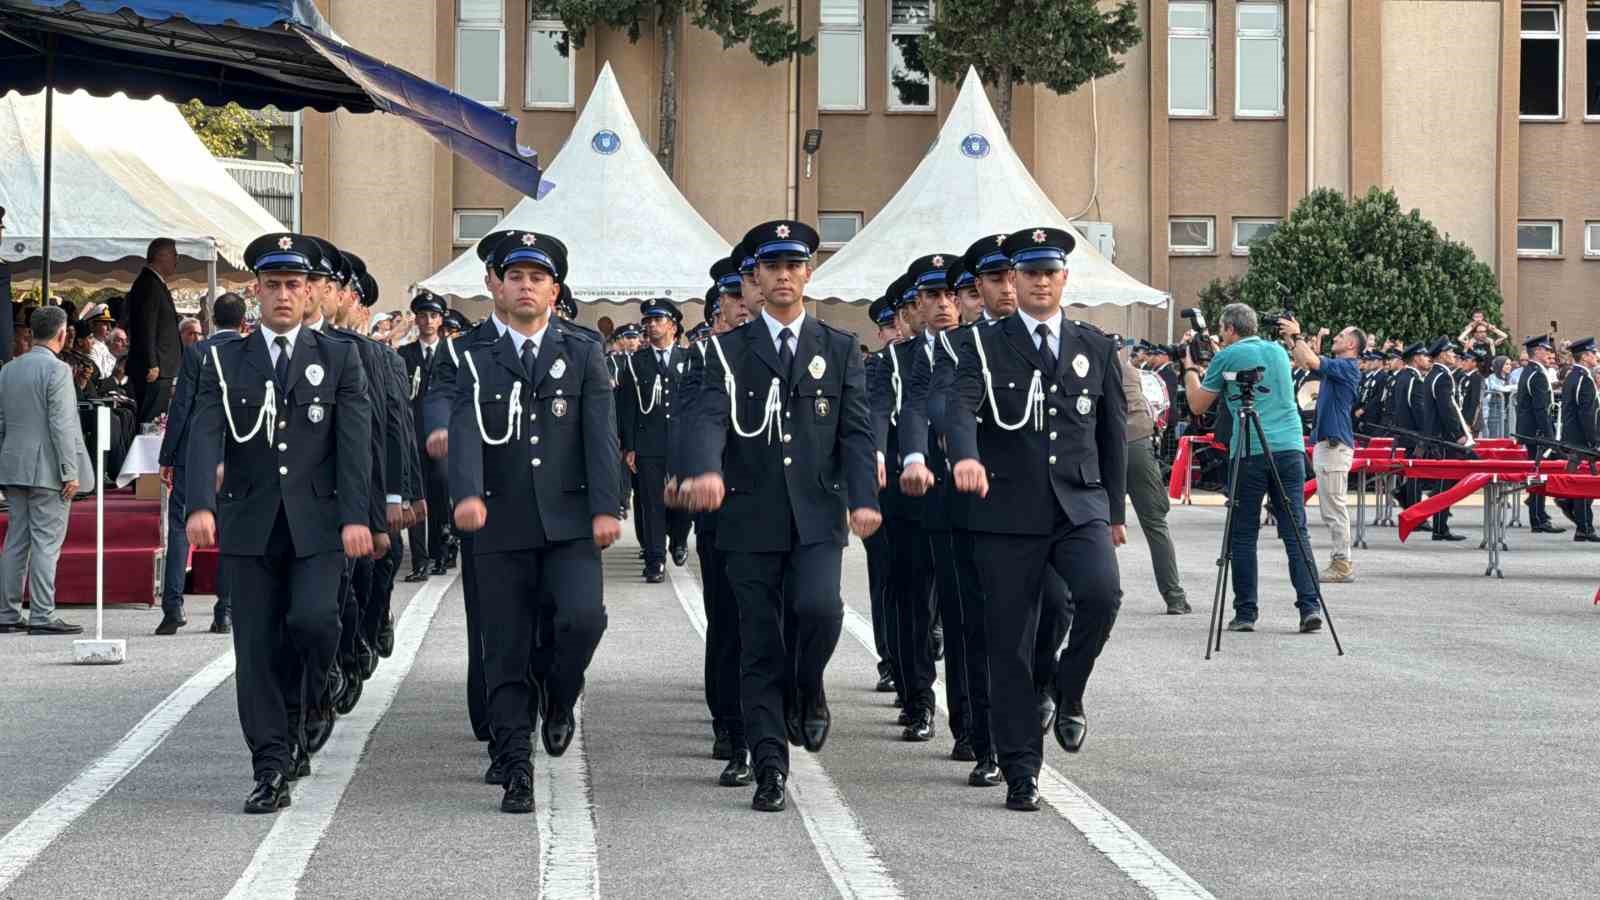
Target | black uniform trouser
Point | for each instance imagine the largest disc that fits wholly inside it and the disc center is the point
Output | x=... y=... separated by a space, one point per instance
x=356 y=599
x=911 y=587
x=722 y=636
x=632 y=490
x=285 y=625
x=1055 y=618
x=951 y=593
x=516 y=587
x=151 y=397
x=653 y=508
x=383 y=571
x=1012 y=568
x=878 y=566
x=427 y=538
x=975 y=639
x=477 y=690
x=804 y=582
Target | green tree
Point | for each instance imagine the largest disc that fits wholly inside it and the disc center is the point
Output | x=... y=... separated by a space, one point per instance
x=769 y=37
x=1060 y=44
x=1340 y=261
x=226 y=131
x=1216 y=295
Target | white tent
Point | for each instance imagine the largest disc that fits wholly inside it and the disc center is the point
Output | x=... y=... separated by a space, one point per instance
x=629 y=232
x=125 y=172
x=970 y=183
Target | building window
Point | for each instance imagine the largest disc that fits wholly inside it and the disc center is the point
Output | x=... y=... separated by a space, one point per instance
x=841 y=57
x=473 y=224
x=1592 y=86
x=549 y=64
x=1247 y=231
x=1189 y=59
x=1591 y=239
x=1193 y=234
x=910 y=86
x=1542 y=69
x=1258 y=65
x=837 y=228
x=481 y=50
x=1538 y=238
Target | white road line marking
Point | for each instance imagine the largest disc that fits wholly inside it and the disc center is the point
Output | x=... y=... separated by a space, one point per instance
x=841 y=842
x=23 y=844
x=569 y=855
x=1114 y=838
x=279 y=863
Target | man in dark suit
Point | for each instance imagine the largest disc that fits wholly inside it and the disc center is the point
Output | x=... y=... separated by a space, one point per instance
x=228 y=316
x=1579 y=427
x=788 y=444
x=1053 y=494
x=1443 y=420
x=286 y=415
x=154 y=350
x=645 y=404
x=1534 y=401
x=427 y=535
x=533 y=470
x=1410 y=409
x=880 y=561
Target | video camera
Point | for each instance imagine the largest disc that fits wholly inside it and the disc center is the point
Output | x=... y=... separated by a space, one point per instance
x=1198 y=349
x=1272 y=321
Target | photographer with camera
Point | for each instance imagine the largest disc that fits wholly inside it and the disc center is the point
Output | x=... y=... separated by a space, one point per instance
x=1332 y=432
x=1248 y=365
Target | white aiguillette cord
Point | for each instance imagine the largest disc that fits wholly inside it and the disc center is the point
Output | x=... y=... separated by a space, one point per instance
x=655 y=390
x=771 y=407
x=269 y=405
x=514 y=413
x=1034 y=405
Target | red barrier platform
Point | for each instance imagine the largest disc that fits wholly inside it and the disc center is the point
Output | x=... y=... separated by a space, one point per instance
x=134 y=552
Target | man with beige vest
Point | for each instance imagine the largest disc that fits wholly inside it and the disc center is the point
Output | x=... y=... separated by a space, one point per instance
x=1148 y=492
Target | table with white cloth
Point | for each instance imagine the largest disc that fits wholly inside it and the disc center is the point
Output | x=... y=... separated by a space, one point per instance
x=144 y=458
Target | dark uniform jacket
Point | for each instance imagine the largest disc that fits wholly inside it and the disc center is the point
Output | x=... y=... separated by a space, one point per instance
x=403 y=446
x=387 y=473
x=315 y=462
x=1533 y=404
x=175 y=443
x=648 y=433
x=1578 y=407
x=926 y=421
x=1444 y=416
x=1076 y=462
x=545 y=465
x=1411 y=405
x=887 y=401
x=1469 y=396
x=799 y=476
x=419 y=378
x=438 y=401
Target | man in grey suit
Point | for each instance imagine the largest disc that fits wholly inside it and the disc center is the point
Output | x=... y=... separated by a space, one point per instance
x=42 y=458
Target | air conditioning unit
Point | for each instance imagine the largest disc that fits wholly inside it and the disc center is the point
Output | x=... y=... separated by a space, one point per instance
x=1102 y=235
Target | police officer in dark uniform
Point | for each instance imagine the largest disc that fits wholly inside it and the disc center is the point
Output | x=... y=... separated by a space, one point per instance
x=1534 y=419
x=567 y=310
x=879 y=558
x=427 y=535
x=533 y=458
x=286 y=414
x=784 y=449
x=1579 y=426
x=1444 y=421
x=1054 y=495
x=1411 y=404
x=645 y=417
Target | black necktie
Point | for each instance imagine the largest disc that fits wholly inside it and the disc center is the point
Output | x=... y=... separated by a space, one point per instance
x=785 y=355
x=427 y=357
x=1045 y=353
x=280 y=369
x=661 y=360
x=528 y=358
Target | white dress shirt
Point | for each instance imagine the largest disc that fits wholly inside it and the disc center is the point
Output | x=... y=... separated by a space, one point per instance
x=1054 y=323
x=774 y=326
x=271 y=338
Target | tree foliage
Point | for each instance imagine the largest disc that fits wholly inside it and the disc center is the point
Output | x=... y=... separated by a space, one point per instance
x=226 y=131
x=1364 y=262
x=1060 y=44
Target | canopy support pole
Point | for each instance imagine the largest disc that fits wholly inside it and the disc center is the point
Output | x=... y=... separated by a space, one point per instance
x=49 y=160
x=211 y=291
x=1169 y=321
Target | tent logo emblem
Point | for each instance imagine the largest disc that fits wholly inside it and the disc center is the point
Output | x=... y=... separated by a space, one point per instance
x=975 y=146
x=606 y=142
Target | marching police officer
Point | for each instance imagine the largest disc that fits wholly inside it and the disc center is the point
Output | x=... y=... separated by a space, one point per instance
x=646 y=404
x=1411 y=405
x=1444 y=421
x=286 y=414
x=879 y=558
x=1534 y=419
x=784 y=449
x=427 y=536
x=1050 y=461
x=532 y=462
x=1579 y=426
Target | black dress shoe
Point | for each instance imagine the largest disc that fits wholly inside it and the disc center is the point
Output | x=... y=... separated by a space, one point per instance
x=1071 y=730
x=655 y=574
x=271 y=794
x=738 y=772
x=13 y=627
x=885 y=683
x=494 y=774
x=1586 y=537
x=680 y=555
x=921 y=727
x=769 y=792
x=417 y=576
x=55 y=626
x=385 y=645
x=793 y=727
x=557 y=729
x=1047 y=709
x=962 y=751
x=722 y=746
x=221 y=626
x=299 y=763
x=170 y=625
x=1448 y=536
x=904 y=718
x=366 y=660
x=437 y=568
x=319 y=727
x=519 y=792
x=1547 y=528
x=1023 y=795
x=817 y=720
x=986 y=773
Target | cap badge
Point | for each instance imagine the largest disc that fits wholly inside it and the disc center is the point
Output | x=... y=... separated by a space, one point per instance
x=782 y=231
x=938 y=262
x=1038 y=235
x=285 y=242
x=528 y=240
x=1080 y=364
x=558 y=368
x=999 y=240
x=314 y=376
x=817 y=367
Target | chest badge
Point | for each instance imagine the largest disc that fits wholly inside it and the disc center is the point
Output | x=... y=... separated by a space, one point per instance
x=314 y=412
x=558 y=407
x=314 y=375
x=822 y=407
x=817 y=367
x=1084 y=405
x=558 y=369
x=1080 y=364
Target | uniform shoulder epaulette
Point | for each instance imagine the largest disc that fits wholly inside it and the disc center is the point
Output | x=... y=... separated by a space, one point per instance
x=568 y=329
x=1089 y=327
x=835 y=329
x=337 y=334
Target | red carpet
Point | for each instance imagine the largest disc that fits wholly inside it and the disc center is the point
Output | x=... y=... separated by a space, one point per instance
x=133 y=551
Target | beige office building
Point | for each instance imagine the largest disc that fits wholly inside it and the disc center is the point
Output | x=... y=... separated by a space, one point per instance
x=1483 y=115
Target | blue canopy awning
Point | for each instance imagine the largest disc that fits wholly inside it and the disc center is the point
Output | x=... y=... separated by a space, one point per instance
x=257 y=53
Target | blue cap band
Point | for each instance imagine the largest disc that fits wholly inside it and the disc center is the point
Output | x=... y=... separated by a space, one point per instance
x=731 y=284
x=934 y=279
x=965 y=279
x=783 y=248
x=528 y=255
x=748 y=264
x=994 y=262
x=287 y=259
x=1039 y=254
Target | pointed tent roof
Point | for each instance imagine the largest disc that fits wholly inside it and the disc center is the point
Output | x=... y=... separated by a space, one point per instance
x=629 y=231
x=970 y=183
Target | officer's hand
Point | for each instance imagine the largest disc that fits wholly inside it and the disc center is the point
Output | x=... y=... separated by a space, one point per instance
x=971 y=478
x=670 y=495
x=218 y=486
x=631 y=459
x=202 y=529
x=439 y=444
x=883 y=474
x=471 y=514
x=380 y=544
x=166 y=476
x=151 y=375
x=916 y=480
x=606 y=530
x=419 y=511
x=705 y=491
x=864 y=522
x=1119 y=535
x=395 y=513
x=357 y=541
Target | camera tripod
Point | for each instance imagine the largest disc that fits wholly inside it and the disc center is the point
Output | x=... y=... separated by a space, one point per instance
x=1247 y=425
